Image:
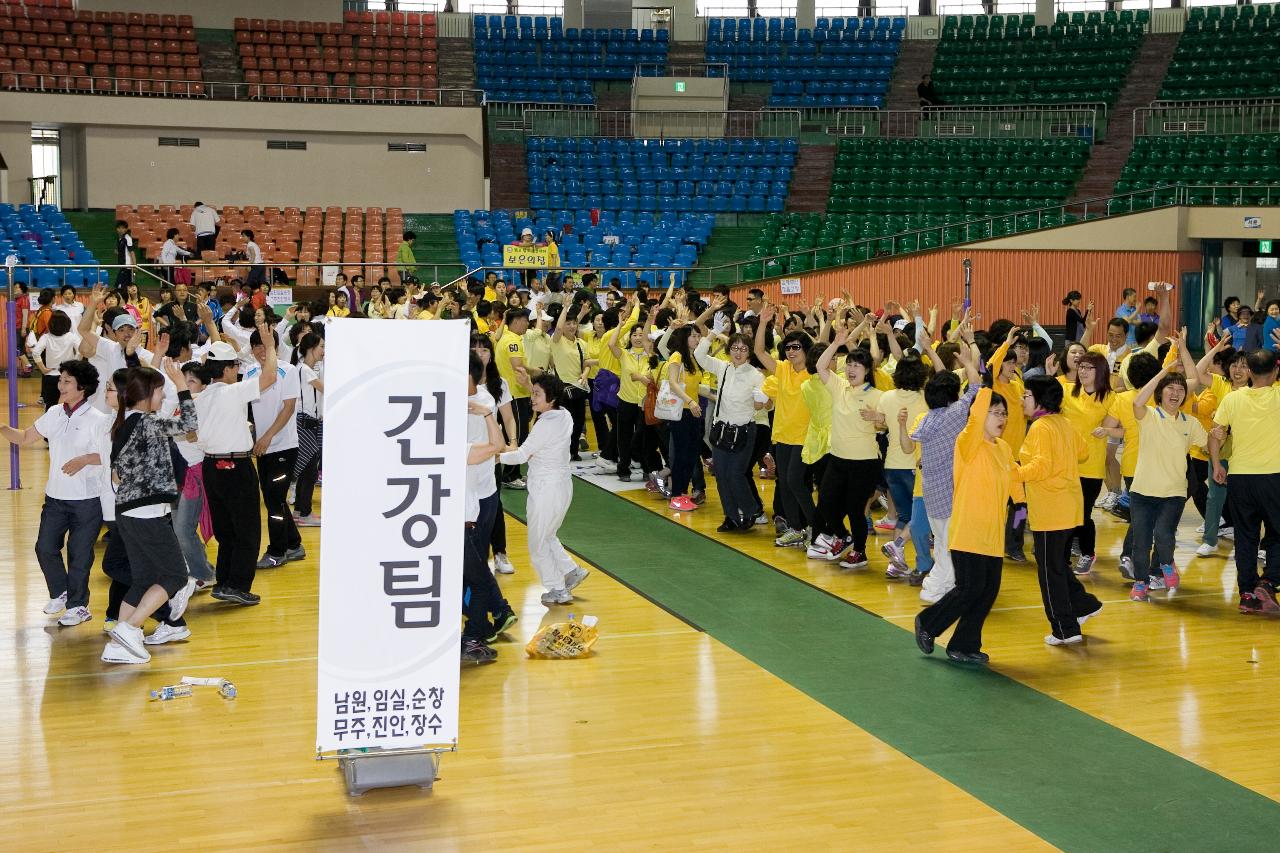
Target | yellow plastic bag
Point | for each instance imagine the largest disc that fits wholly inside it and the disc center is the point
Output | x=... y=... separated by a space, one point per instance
x=564 y=640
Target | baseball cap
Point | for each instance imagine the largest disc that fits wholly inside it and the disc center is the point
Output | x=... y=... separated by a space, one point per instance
x=125 y=319
x=222 y=351
x=899 y=325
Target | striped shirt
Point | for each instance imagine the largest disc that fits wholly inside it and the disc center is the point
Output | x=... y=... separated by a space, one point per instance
x=937 y=435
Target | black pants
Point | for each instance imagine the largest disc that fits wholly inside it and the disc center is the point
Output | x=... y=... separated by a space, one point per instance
x=760 y=448
x=232 y=493
x=522 y=411
x=847 y=485
x=115 y=565
x=1255 y=501
x=481 y=595
x=977 y=584
x=275 y=473
x=257 y=275
x=307 y=469
x=124 y=277
x=498 y=538
x=606 y=423
x=1087 y=533
x=49 y=390
x=576 y=403
x=206 y=242
x=1065 y=600
x=795 y=497
x=1015 y=528
x=633 y=443
x=75 y=524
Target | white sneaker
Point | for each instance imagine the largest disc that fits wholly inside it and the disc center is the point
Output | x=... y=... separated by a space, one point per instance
x=1206 y=550
x=178 y=604
x=821 y=548
x=502 y=565
x=1080 y=620
x=131 y=638
x=75 y=616
x=573 y=578
x=116 y=653
x=557 y=596
x=1227 y=533
x=205 y=586
x=56 y=605
x=1262 y=558
x=518 y=484
x=1051 y=640
x=311 y=520
x=1106 y=500
x=167 y=634
x=1200 y=529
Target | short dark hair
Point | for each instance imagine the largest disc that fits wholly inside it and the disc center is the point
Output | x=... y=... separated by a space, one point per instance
x=171 y=233
x=1144 y=332
x=247 y=233
x=120 y=223
x=59 y=323
x=910 y=374
x=84 y=373
x=409 y=235
x=255 y=340
x=1261 y=362
x=551 y=387
x=1128 y=291
x=67 y=287
x=755 y=293
x=1120 y=323
x=1046 y=391
x=1141 y=369
x=514 y=314
x=942 y=390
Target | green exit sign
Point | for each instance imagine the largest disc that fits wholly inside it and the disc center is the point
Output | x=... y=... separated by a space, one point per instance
x=1264 y=246
x=679 y=85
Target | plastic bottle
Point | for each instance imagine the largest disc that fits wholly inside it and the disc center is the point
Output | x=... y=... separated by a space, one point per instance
x=174 y=691
x=228 y=690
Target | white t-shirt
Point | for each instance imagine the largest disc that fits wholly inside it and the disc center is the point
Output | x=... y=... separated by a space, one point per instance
x=56 y=349
x=224 y=418
x=254 y=253
x=86 y=430
x=269 y=403
x=204 y=220
x=169 y=253
x=481 y=478
x=108 y=357
x=75 y=311
x=312 y=399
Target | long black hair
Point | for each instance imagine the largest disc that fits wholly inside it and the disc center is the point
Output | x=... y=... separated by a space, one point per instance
x=492 y=379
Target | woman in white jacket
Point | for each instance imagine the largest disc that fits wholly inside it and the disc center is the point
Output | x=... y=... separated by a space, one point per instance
x=550 y=489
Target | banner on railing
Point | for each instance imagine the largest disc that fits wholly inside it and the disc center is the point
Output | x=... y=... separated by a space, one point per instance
x=391 y=564
x=524 y=257
x=280 y=296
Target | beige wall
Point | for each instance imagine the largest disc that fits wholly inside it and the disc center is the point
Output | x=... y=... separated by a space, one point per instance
x=701 y=93
x=1227 y=223
x=110 y=145
x=1151 y=231
x=220 y=14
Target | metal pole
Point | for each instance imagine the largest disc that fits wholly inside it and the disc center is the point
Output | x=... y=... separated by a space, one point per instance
x=968 y=281
x=11 y=378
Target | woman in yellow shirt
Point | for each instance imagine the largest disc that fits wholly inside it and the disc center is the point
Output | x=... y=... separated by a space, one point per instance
x=1006 y=381
x=790 y=426
x=1085 y=406
x=1049 y=469
x=339 y=308
x=686 y=464
x=909 y=377
x=636 y=363
x=983 y=483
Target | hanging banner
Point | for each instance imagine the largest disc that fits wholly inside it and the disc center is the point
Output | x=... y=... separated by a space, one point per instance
x=524 y=256
x=391 y=556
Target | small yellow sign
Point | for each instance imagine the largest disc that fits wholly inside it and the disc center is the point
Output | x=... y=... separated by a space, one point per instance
x=525 y=257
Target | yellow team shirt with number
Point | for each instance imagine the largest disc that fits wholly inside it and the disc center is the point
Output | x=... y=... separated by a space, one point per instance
x=511 y=345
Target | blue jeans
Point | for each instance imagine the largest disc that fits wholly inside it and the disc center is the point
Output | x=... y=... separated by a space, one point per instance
x=1153 y=520
x=686 y=465
x=77 y=524
x=1213 y=507
x=186 y=520
x=901 y=482
x=733 y=470
x=920 y=532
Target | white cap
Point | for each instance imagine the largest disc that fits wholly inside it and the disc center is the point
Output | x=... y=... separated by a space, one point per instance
x=900 y=324
x=528 y=231
x=222 y=351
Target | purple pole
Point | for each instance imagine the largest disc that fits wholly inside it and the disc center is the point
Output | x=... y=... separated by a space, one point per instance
x=11 y=375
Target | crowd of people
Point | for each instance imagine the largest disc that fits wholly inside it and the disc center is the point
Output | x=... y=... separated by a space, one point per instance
x=964 y=436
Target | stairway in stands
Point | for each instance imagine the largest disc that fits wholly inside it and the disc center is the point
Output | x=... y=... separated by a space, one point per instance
x=685 y=53
x=914 y=61
x=811 y=180
x=508 y=176
x=457 y=63
x=98 y=231
x=1140 y=89
x=219 y=60
x=436 y=243
x=731 y=241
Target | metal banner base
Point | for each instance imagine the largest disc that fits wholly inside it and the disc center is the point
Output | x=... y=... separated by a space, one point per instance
x=379 y=768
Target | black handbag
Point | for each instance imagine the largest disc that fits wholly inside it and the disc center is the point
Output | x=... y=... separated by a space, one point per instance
x=727 y=437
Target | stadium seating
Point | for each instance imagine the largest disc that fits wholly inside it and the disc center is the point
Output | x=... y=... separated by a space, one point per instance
x=51 y=47
x=528 y=59
x=331 y=235
x=844 y=62
x=386 y=57
x=44 y=237
x=972 y=176
x=997 y=59
x=680 y=175
x=1252 y=160
x=631 y=246
x=1225 y=53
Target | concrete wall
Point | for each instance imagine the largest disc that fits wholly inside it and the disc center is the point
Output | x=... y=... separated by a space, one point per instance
x=1228 y=223
x=222 y=13
x=709 y=94
x=111 y=153
x=1162 y=230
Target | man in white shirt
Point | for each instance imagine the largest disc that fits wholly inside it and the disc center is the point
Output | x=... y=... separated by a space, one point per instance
x=230 y=482
x=204 y=221
x=169 y=253
x=117 y=346
x=276 y=421
x=69 y=305
x=257 y=268
x=79 y=443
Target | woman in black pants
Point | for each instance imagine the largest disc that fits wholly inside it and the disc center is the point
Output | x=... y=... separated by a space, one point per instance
x=308 y=355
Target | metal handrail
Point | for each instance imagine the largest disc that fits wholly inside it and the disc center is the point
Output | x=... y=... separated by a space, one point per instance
x=1221 y=119
x=671 y=123
x=1216 y=102
x=909 y=124
x=691 y=69
x=217 y=271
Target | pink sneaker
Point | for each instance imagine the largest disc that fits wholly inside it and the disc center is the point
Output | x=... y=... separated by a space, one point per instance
x=1171 y=577
x=682 y=503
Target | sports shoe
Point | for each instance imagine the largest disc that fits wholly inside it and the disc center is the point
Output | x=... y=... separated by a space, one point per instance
x=968 y=657
x=770 y=467
x=75 y=616
x=889 y=522
x=1155 y=583
x=1084 y=565
x=923 y=639
x=779 y=525
x=915 y=578
x=107 y=625
x=165 y=633
x=897 y=558
x=477 y=653
x=1120 y=511
x=1200 y=529
x=682 y=503
x=761 y=519
x=1138 y=592
x=1106 y=500
x=838 y=546
x=574 y=577
x=501 y=623
x=624 y=478
x=664 y=489
x=896 y=572
x=854 y=560
x=557 y=596
x=821 y=548
x=583 y=447
x=1051 y=640
x=1249 y=604
x=56 y=605
x=651 y=485
x=502 y=564
x=204 y=586
x=1126 y=568
x=1171 y=577
x=311 y=520
x=270 y=562
x=235 y=596
x=130 y=637
x=1262 y=557
x=113 y=652
x=1207 y=550
x=790 y=539
x=699 y=497
x=1080 y=620
x=1266 y=597
x=518 y=484
x=293 y=555
x=1015 y=557
x=178 y=604
x=1227 y=533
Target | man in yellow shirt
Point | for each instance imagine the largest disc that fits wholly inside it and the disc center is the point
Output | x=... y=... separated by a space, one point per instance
x=1253 y=486
x=509 y=355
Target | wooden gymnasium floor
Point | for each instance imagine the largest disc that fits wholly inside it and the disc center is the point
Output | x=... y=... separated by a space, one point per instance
x=741 y=697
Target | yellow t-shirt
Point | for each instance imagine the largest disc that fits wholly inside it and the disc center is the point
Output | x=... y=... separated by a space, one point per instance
x=791 y=415
x=1162 y=464
x=490 y=295
x=1050 y=469
x=509 y=345
x=1205 y=406
x=1085 y=413
x=851 y=436
x=890 y=404
x=537 y=345
x=1015 y=429
x=1121 y=408
x=596 y=350
x=983 y=481
x=1252 y=414
x=917 y=488
x=630 y=389
x=569 y=359
x=692 y=378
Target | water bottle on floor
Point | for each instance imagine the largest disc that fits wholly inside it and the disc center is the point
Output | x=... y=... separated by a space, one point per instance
x=173 y=691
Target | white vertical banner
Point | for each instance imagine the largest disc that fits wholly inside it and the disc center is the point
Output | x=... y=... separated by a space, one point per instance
x=395 y=455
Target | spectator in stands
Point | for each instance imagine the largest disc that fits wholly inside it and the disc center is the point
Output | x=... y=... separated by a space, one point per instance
x=124 y=254
x=755 y=301
x=1077 y=320
x=1128 y=311
x=1150 y=312
x=406 y=263
x=204 y=219
x=170 y=252
x=355 y=292
x=1271 y=324
x=257 y=269
x=184 y=308
x=928 y=94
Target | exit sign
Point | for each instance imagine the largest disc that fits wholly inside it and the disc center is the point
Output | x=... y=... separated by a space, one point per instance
x=1264 y=246
x=679 y=85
